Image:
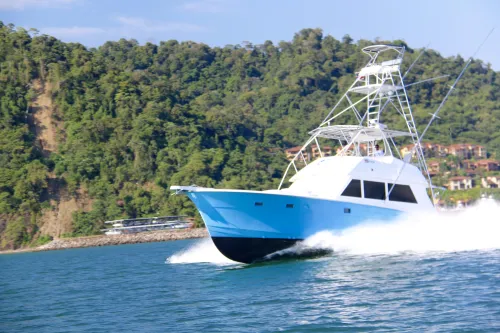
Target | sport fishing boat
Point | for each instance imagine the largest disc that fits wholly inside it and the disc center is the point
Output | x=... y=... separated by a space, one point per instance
x=367 y=179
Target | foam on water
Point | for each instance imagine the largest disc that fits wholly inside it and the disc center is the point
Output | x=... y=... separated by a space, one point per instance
x=203 y=251
x=474 y=228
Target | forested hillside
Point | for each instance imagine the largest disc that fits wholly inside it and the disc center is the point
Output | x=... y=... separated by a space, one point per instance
x=102 y=133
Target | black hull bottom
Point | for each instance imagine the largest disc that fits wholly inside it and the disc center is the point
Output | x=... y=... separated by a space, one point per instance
x=249 y=250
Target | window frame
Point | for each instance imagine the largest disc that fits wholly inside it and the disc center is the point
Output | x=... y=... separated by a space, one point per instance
x=384 y=197
x=389 y=185
x=360 y=189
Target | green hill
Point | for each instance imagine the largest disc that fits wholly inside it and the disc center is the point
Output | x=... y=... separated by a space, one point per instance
x=88 y=135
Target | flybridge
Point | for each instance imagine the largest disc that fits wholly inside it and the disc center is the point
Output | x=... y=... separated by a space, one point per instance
x=356 y=133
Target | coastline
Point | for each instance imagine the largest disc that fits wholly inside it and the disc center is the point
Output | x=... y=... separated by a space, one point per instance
x=105 y=240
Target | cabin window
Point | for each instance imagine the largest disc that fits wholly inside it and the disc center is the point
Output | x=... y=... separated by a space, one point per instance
x=353 y=189
x=401 y=193
x=374 y=190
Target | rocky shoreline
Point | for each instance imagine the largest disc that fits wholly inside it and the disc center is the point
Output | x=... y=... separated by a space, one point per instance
x=105 y=240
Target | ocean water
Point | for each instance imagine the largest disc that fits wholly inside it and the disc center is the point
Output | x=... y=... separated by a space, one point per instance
x=419 y=274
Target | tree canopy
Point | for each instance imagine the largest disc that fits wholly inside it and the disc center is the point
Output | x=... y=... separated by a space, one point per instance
x=136 y=119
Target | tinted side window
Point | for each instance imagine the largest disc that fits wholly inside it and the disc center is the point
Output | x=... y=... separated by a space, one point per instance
x=374 y=190
x=353 y=189
x=402 y=193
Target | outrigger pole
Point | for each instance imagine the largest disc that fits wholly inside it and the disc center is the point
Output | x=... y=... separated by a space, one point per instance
x=415 y=61
x=435 y=114
x=426 y=80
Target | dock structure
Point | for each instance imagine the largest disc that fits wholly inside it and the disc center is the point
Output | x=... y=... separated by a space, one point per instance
x=130 y=226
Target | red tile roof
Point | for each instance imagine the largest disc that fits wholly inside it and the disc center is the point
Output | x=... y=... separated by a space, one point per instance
x=487 y=161
x=459 y=178
x=293 y=149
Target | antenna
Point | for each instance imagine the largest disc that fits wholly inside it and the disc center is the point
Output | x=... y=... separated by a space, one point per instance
x=434 y=115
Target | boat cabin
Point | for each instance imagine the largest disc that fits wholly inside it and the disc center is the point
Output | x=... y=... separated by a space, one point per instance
x=383 y=181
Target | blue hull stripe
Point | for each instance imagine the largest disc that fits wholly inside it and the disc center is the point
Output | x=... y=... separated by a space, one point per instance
x=262 y=215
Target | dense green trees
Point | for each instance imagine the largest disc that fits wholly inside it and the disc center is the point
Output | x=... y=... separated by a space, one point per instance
x=139 y=118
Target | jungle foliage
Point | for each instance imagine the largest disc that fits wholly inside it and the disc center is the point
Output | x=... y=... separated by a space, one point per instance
x=139 y=118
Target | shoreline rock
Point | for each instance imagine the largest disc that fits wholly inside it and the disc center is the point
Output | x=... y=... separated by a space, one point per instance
x=106 y=240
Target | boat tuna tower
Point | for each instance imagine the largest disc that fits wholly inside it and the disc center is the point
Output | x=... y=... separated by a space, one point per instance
x=378 y=88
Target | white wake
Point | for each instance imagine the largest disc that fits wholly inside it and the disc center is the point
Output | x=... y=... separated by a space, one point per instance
x=474 y=228
x=203 y=251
